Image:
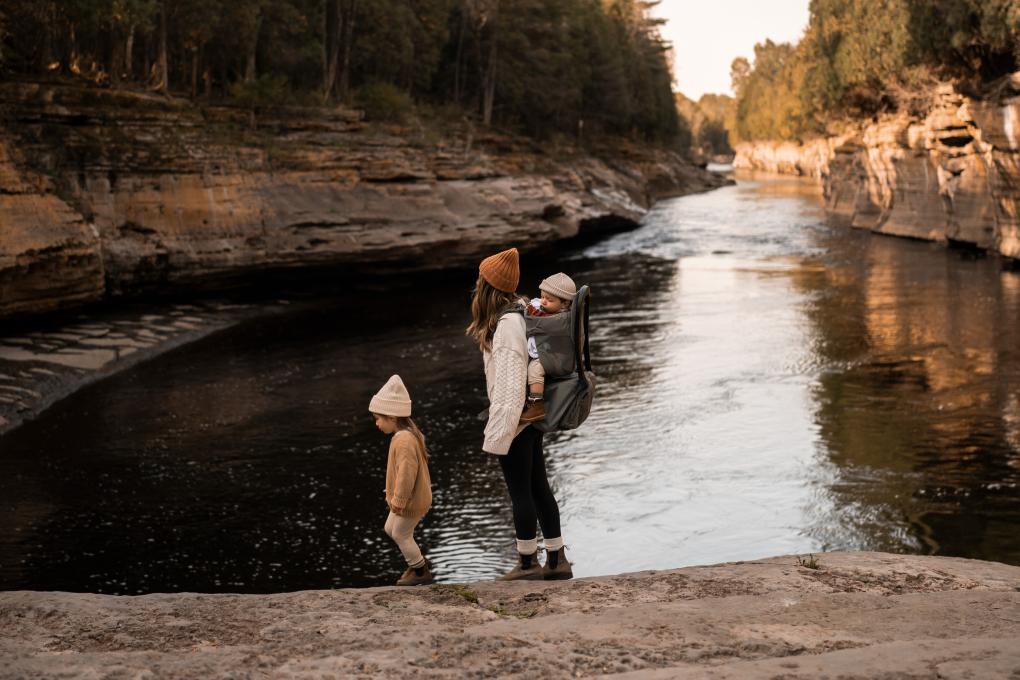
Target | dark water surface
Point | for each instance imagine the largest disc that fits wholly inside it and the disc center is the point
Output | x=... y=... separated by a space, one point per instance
x=768 y=385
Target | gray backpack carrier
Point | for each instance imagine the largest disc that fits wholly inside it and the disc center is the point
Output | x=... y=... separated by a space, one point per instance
x=562 y=342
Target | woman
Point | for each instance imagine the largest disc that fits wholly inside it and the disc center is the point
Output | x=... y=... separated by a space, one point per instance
x=497 y=324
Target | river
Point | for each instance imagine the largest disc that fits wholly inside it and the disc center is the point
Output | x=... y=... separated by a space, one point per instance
x=768 y=385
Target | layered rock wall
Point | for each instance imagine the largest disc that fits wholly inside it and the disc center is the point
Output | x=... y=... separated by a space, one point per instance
x=106 y=192
x=953 y=176
x=49 y=255
x=810 y=159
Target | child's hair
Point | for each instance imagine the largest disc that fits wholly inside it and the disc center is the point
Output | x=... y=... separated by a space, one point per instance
x=405 y=423
x=487 y=303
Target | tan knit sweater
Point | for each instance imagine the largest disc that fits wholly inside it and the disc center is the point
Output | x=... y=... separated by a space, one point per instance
x=408 y=485
x=506 y=381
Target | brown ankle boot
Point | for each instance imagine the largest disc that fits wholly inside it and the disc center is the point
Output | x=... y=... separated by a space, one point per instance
x=557 y=568
x=527 y=569
x=534 y=410
x=417 y=576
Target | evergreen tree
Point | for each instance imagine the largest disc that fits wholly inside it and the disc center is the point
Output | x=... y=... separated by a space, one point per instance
x=576 y=67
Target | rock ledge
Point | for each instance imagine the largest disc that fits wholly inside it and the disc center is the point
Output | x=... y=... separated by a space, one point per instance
x=856 y=615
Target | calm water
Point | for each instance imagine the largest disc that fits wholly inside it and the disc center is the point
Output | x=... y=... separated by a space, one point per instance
x=768 y=386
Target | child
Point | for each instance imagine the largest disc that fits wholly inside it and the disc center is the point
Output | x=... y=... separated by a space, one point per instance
x=556 y=294
x=408 y=486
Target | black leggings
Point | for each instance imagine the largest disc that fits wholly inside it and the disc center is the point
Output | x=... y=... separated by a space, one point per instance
x=530 y=495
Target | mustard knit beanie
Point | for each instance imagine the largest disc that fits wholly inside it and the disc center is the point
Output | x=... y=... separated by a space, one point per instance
x=392 y=399
x=502 y=270
x=560 y=285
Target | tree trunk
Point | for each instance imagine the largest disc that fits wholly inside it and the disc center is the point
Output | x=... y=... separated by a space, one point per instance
x=249 y=67
x=71 y=54
x=46 y=53
x=345 y=72
x=194 y=73
x=459 y=59
x=326 y=44
x=116 y=57
x=129 y=50
x=147 y=56
x=333 y=48
x=489 y=83
x=163 y=74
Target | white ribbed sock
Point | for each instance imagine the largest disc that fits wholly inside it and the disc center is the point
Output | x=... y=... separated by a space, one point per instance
x=529 y=547
x=554 y=543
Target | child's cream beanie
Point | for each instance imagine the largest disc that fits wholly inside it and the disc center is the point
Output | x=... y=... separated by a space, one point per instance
x=560 y=285
x=392 y=399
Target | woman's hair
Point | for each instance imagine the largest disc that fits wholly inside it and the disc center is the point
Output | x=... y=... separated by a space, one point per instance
x=405 y=423
x=487 y=304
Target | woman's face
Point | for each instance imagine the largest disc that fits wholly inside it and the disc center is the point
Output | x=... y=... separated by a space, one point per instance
x=386 y=424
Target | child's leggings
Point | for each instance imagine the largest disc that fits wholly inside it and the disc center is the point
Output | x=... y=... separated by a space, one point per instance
x=400 y=529
x=536 y=374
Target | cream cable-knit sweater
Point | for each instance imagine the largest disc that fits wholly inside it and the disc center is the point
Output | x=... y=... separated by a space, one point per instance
x=506 y=381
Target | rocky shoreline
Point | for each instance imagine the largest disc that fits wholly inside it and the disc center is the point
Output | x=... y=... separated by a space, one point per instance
x=852 y=615
x=951 y=176
x=112 y=192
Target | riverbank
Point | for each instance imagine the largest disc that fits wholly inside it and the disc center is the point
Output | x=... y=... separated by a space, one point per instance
x=45 y=362
x=839 y=614
x=107 y=193
x=950 y=176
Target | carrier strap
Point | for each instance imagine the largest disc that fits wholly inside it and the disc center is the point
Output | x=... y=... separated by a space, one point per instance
x=587 y=352
x=582 y=354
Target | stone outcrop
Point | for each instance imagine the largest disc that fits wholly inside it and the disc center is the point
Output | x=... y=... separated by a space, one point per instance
x=953 y=176
x=49 y=255
x=810 y=159
x=844 y=615
x=113 y=192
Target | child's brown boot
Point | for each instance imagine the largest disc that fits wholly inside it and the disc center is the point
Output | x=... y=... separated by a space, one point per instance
x=534 y=409
x=417 y=576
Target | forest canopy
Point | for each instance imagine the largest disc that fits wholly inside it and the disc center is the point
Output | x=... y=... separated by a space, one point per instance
x=863 y=57
x=569 y=66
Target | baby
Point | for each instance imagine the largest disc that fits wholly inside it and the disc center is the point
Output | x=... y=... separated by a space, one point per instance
x=556 y=294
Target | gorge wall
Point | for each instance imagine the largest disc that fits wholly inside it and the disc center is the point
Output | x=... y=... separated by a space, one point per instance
x=952 y=176
x=105 y=192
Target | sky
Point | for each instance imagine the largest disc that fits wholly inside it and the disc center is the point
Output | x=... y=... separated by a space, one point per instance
x=707 y=35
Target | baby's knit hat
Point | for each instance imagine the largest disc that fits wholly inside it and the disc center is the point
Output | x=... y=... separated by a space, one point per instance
x=560 y=285
x=392 y=399
x=502 y=270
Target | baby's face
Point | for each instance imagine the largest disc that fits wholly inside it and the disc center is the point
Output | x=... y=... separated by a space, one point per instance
x=551 y=303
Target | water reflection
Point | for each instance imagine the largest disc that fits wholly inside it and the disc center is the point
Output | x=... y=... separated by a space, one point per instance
x=918 y=423
x=767 y=385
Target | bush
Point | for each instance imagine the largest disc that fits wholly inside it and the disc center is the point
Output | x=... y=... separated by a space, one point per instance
x=268 y=90
x=384 y=102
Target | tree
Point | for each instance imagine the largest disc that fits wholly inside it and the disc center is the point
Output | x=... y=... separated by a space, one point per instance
x=576 y=67
x=338 y=42
x=483 y=15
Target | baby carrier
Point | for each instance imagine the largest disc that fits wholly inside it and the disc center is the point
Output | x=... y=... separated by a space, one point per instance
x=562 y=342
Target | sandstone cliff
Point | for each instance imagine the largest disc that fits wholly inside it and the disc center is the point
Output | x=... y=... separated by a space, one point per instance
x=105 y=192
x=953 y=176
